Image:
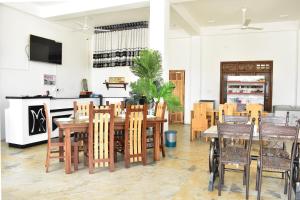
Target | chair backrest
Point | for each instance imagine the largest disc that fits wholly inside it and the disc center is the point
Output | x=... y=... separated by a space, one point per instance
x=199 y=110
x=48 y=124
x=253 y=110
x=160 y=109
x=235 y=131
x=231 y=107
x=209 y=106
x=101 y=134
x=225 y=109
x=271 y=132
x=275 y=120
x=135 y=132
x=82 y=108
x=119 y=106
x=236 y=119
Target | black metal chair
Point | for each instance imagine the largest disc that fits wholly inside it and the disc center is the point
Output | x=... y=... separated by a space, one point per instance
x=232 y=154
x=274 y=161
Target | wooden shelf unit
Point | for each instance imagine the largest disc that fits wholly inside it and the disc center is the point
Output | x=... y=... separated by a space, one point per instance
x=115 y=85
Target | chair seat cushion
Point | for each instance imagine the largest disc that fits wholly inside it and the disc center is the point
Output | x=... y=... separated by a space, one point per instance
x=234 y=155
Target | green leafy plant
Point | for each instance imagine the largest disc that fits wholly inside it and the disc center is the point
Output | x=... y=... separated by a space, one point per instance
x=150 y=87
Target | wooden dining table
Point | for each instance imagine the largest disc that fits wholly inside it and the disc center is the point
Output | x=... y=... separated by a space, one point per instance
x=66 y=127
x=212 y=133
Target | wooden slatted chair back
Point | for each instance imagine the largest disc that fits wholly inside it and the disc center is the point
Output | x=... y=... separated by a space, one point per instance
x=81 y=108
x=199 y=111
x=160 y=109
x=119 y=106
x=135 y=134
x=101 y=137
x=253 y=110
x=231 y=107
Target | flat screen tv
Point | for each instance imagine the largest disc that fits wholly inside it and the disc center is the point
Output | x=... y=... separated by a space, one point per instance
x=45 y=50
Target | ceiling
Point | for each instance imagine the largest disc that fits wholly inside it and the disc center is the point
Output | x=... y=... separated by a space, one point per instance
x=187 y=14
x=228 y=12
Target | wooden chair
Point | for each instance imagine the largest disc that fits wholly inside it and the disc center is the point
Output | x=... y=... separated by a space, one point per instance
x=57 y=143
x=160 y=109
x=135 y=134
x=101 y=137
x=199 y=120
x=118 y=107
x=209 y=112
x=81 y=109
x=271 y=162
x=231 y=154
x=253 y=110
x=227 y=109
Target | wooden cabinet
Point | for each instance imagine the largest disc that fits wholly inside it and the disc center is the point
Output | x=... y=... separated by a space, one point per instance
x=246 y=68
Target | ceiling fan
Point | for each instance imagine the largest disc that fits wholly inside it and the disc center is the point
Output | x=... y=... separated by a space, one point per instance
x=86 y=27
x=246 y=22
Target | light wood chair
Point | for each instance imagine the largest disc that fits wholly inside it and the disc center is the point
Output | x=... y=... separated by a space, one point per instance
x=227 y=109
x=101 y=137
x=160 y=109
x=135 y=134
x=118 y=107
x=82 y=109
x=253 y=110
x=209 y=112
x=54 y=143
x=199 y=120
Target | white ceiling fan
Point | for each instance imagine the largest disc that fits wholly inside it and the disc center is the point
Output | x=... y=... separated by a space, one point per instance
x=85 y=27
x=246 y=22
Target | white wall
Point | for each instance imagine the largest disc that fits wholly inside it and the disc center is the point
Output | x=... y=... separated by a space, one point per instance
x=281 y=47
x=99 y=75
x=18 y=76
x=184 y=54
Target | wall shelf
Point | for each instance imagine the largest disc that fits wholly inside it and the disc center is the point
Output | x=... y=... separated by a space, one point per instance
x=115 y=85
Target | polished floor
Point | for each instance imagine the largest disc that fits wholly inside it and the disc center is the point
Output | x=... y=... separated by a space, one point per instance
x=182 y=174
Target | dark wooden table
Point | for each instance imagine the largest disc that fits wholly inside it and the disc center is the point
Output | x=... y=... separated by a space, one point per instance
x=66 y=127
x=214 y=156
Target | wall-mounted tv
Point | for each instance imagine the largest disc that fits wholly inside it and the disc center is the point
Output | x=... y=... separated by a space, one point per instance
x=45 y=50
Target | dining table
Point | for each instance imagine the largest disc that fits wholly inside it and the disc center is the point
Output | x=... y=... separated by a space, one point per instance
x=67 y=126
x=212 y=133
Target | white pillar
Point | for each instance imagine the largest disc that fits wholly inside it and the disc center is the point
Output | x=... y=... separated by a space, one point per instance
x=158 y=31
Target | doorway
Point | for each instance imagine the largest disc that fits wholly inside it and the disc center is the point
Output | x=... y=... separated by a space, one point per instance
x=178 y=78
x=248 y=68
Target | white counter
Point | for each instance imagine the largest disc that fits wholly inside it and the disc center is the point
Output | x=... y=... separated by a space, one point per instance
x=24 y=122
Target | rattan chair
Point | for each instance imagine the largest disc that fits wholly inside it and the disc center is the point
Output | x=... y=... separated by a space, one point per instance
x=232 y=154
x=272 y=162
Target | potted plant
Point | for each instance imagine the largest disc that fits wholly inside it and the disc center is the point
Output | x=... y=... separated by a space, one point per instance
x=150 y=88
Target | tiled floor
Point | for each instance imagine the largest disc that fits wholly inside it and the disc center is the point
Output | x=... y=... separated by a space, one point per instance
x=183 y=174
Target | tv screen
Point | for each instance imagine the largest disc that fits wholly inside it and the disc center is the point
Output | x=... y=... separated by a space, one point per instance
x=45 y=50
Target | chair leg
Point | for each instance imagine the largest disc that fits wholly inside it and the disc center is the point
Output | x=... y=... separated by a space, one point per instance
x=247 y=181
x=290 y=188
x=259 y=183
x=47 y=158
x=75 y=157
x=244 y=176
x=257 y=178
x=162 y=143
x=285 y=182
x=220 y=179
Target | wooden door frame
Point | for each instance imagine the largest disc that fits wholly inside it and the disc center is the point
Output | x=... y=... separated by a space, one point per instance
x=183 y=112
x=239 y=70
